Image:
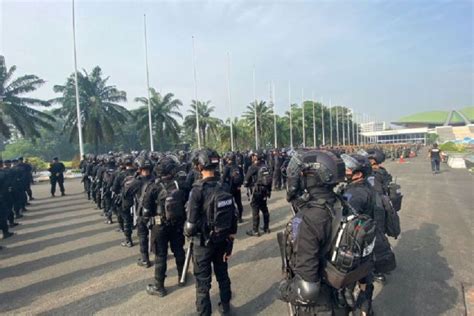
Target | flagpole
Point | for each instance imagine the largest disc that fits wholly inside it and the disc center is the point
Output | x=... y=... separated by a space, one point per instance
x=354 y=140
x=255 y=109
x=337 y=128
x=78 y=106
x=330 y=121
x=291 y=120
x=230 y=104
x=274 y=115
x=348 y=127
x=302 y=106
x=343 y=109
x=322 y=122
x=198 y=132
x=148 y=86
x=314 y=121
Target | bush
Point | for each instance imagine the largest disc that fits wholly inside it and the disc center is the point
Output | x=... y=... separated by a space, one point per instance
x=452 y=147
x=38 y=163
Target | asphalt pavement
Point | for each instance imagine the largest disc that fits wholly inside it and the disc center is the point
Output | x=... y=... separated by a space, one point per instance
x=64 y=260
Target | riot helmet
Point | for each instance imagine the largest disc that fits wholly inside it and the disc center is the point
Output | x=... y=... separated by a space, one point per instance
x=207 y=159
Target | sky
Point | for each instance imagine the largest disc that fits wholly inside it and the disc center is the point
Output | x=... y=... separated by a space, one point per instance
x=386 y=59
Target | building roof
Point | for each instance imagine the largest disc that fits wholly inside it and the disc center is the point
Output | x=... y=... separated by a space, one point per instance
x=439 y=117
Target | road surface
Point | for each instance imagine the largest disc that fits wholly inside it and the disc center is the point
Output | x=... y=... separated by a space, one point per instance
x=64 y=260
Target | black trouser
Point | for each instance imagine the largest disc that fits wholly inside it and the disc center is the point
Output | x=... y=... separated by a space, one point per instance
x=117 y=210
x=28 y=190
x=237 y=194
x=108 y=205
x=259 y=203
x=365 y=297
x=277 y=179
x=435 y=164
x=202 y=258
x=143 y=234
x=60 y=181
x=9 y=210
x=19 y=200
x=87 y=187
x=172 y=235
x=127 y=220
x=4 y=213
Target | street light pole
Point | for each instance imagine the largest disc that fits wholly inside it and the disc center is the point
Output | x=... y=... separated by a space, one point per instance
x=78 y=107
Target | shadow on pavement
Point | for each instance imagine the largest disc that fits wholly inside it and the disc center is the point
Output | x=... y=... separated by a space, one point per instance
x=64 y=204
x=82 y=207
x=419 y=285
x=24 y=296
x=40 y=245
x=38 y=264
x=258 y=303
x=53 y=221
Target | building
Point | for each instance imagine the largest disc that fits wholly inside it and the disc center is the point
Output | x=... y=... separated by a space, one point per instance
x=372 y=127
x=448 y=125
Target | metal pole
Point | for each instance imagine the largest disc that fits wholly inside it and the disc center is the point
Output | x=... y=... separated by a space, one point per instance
x=150 y=126
x=348 y=127
x=343 y=127
x=354 y=140
x=78 y=107
x=196 y=97
x=322 y=122
x=291 y=120
x=230 y=104
x=337 y=128
x=330 y=121
x=314 y=121
x=274 y=115
x=255 y=109
x=302 y=107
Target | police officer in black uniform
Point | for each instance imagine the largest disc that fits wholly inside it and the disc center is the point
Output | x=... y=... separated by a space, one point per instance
x=107 y=182
x=5 y=196
x=166 y=202
x=307 y=290
x=126 y=196
x=232 y=177
x=56 y=169
x=260 y=194
x=208 y=253
x=360 y=194
x=380 y=177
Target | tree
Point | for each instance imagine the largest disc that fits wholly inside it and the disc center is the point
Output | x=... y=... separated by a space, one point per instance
x=164 y=111
x=206 y=121
x=101 y=115
x=16 y=110
x=264 y=122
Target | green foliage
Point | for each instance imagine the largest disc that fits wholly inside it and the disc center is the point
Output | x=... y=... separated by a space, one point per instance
x=101 y=115
x=431 y=138
x=452 y=147
x=38 y=163
x=15 y=108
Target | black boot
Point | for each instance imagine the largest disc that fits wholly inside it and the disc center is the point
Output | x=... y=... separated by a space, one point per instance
x=253 y=233
x=224 y=308
x=144 y=261
x=127 y=243
x=7 y=234
x=157 y=289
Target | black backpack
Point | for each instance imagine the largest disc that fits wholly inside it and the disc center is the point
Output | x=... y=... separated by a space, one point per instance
x=127 y=185
x=350 y=257
x=395 y=194
x=392 y=220
x=221 y=214
x=264 y=177
x=108 y=177
x=236 y=176
x=171 y=202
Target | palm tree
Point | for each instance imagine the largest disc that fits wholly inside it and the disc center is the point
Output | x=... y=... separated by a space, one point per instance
x=15 y=109
x=164 y=111
x=206 y=121
x=264 y=120
x=101 y=115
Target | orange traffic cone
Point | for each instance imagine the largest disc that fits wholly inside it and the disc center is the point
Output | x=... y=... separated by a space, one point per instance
x=401 y=159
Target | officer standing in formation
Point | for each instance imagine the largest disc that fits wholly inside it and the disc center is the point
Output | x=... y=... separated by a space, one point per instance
x=57 y=169
x=259 y=179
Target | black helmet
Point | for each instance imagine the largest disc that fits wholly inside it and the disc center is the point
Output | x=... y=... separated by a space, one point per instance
x=145 y=163
x=316 y=168
x=127 y=159
x=357 y=162
x=230 y=156
x=166 y=166
x=377 y=155
x=207 y=159
x=260 y=154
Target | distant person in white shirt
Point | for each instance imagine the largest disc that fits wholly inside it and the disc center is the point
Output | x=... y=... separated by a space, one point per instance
x=435 y=155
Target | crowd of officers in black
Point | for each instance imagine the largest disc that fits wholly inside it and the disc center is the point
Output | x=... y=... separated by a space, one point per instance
x=168 y=197
x=16 y=178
